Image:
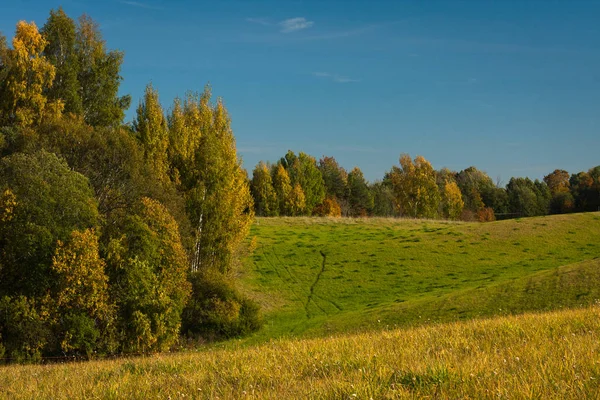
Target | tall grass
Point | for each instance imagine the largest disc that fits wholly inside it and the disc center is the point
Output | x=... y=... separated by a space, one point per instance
x=547 y=356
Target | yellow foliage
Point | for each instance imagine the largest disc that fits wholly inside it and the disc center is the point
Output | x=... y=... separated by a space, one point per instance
x=30 y=74
x=453 y=202
x=8 y=202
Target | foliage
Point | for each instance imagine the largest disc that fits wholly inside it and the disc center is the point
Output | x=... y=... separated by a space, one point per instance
x=415 y=190
x=49 y=201
x=217 y=310
x=452 y=201
x=28 y=76
x=80 y=303
x=359 y=195
x=304 y=172
x=283 y=190
x=147 y=267
x=22 y=329
x=329 y=208
x=263 y=193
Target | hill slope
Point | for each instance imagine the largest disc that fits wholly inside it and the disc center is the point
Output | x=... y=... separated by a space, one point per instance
x=317 y=276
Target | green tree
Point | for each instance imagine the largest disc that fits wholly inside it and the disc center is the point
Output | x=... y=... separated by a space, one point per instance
x=359 y=195
x=147 y=267
x=50 y=201
x=99 y=76
x=59 y=32
x=335 y=178
x=303 y=171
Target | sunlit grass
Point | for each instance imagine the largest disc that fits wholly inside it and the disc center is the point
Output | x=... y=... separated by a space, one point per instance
x=551 y=356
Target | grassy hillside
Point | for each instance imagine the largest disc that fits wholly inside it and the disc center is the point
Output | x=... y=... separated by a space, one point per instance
x=546 y=356
x=317 y=276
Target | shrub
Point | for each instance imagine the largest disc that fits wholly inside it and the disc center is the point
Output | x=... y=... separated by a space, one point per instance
x=217 y=310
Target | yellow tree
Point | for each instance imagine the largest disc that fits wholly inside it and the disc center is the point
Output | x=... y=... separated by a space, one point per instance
x=151 y=130
x=452 y=200
x=415 y=190
x=29 y=75
x=297 y=200
x=283 y=189
x=80 y=304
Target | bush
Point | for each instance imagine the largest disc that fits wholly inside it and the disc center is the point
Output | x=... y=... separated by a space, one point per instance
x=217 y=310
x=24 y=334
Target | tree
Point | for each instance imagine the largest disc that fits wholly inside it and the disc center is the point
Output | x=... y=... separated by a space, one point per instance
x=151 y=131
x=415 y=190
x=303 y=171
x=261 y=186
x=329 y=208
x=283 y=189
x=80 y=304
x=50 y=201
x=359 y=194
x=59 y=32
x=528 y=198
x=335 y=178
x=219 y=203
x=148 y=268
x=383 y=199
x=452 y=201
x=28 y=76
x=99 y=76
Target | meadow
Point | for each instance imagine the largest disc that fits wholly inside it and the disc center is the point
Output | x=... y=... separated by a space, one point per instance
x=317 y=276
x=555 y=355
x=384 y=309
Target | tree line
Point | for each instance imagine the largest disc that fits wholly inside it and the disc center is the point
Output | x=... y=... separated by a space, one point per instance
x=299 y=185
x=114 y=238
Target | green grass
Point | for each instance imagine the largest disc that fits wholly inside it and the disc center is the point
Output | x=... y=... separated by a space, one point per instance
x=389 y=272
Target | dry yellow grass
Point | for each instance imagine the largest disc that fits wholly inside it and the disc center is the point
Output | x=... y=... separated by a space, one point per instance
x=546 y=356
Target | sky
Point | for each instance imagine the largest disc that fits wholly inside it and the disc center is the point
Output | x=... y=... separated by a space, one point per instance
x=511 y=87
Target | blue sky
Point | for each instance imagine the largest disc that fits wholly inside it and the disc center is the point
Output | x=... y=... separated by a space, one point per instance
x=512 y=87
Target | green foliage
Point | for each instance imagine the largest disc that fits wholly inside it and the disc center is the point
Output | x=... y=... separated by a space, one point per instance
x=99 y=76
x=335 y=178
x=303 y=171
x=528 y=198
x=147 y=267
x=51 y=202
x=217 y=310
x=263 y=193
x=59 y=32
x=22 y=329
x=359 y=195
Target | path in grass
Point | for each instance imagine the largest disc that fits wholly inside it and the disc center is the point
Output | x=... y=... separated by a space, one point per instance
x=317 y=275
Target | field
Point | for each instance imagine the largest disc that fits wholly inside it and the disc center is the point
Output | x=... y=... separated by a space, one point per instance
x=554 y=355
x=384 y=308
x=318 y=276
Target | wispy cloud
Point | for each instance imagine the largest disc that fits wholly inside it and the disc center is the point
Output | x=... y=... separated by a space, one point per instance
x=295 y=24
x=141 y=5
x=260 y=21
x=286 y=26
x=335 y=77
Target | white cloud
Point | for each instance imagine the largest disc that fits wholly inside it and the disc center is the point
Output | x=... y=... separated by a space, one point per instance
x=335 y=77
x=259 y=21
x=141 y=5
x=294 y=24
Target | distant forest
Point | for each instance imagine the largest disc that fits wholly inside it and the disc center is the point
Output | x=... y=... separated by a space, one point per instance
x=299 y=185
